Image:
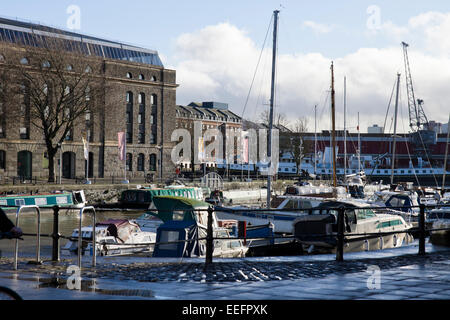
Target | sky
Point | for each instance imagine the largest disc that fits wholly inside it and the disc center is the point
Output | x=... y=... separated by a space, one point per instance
x=221 y=51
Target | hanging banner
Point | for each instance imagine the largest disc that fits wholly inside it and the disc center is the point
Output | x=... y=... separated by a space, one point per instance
x=86 y=148
x=122 y=145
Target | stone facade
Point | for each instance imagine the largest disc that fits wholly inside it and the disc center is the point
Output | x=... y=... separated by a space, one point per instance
x=153 y=92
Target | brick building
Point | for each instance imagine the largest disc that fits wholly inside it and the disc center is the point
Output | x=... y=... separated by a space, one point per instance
x=139 y=98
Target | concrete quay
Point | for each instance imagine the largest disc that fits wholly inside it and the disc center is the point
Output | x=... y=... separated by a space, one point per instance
x=392 y=274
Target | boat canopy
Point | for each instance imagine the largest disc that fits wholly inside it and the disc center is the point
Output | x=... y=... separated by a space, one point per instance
x=119 y=228
x=177 y=208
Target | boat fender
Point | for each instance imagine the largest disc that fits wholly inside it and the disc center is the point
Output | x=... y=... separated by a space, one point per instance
x=366 y=245
x=394 y=240
x=381 y=242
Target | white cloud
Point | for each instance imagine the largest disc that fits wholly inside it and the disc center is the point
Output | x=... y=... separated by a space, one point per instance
x=318 y=27
x=218 y=62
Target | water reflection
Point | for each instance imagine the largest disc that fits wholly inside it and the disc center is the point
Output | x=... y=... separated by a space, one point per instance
x=68 y=220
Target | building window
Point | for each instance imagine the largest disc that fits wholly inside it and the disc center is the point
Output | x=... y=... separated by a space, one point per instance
x=2 y=58
x=2 y=159
x=153 y=100
x=141 y=118
x=129 y=162
x=69 y=67
x=129 y=117
x=24 y=61
x=129 y=75
x=153 y=162
x=153 y=78
x=88 y=69
x=140 y=164
x=141 y=77
x=46 y=64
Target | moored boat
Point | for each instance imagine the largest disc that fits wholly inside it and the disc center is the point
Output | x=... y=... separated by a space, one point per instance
x=75 y=199
x=113 y=237
x=184 y=230
x=320 y=228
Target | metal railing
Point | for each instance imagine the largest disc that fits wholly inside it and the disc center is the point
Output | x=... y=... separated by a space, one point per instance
x=38 y=234
x=342 y=237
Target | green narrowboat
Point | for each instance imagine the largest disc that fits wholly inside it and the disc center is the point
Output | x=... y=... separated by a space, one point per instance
x=143 y=198
x=43 y=200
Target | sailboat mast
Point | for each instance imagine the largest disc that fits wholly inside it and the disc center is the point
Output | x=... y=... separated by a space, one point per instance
x=333 y=124
x=359 y=148
x=345 y=126
x=446 y=153
x=395 y=130
x=315 y=139
x=272 y=97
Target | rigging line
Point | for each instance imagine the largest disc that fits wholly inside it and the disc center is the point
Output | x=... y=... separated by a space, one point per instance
x=257 y=65
x=406 y=143
x=429 y=160
x=389 y=105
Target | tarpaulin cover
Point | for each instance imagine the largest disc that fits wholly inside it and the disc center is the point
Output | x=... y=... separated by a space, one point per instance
x=184 y=230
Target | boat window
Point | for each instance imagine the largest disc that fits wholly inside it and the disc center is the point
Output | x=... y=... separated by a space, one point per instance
x=364 y=213
x=235 y=244
x=168 y=236
x=389 y=224
x=304 y=204
x=351 y=216
x=397 y=202
x=178 y=215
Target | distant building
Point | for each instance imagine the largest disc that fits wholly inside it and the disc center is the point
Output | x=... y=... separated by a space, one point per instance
x=139 y=99
x=209 y=115
x=375 y=129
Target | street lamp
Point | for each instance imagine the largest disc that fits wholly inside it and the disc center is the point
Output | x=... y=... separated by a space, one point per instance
x=60 y=161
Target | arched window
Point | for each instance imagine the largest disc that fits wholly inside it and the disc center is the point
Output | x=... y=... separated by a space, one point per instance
x=140 y=164
x=153 y=162
x=24 y=60
x=129 y=75
x=129 y=162
x=153 y=78
x=88 y=69
x=69 y=67
x=46 y=64
x=141 y=98
x=129 y=97
x=2 y=58
x=153 y=99
x=141 y=77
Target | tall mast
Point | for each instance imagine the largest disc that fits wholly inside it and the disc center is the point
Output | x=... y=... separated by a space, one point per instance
x=446 y=152
x=333 y=129
x=345 y=131
x=272 y=96
x=315 y=139
x=359 y=148
x=395 y=131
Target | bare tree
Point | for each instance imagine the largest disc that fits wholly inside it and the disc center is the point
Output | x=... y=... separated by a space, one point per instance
x=298 y=146
x=279 y=119
x=56 y=89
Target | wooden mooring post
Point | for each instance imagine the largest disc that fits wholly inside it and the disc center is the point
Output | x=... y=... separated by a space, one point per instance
x=56 y=235
x=422 y=230
x=340 y=235
x=209 y=239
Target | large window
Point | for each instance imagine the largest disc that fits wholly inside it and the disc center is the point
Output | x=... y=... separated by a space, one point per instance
x=129 y=117
x=2 y=159
x=129 y=162
x=140 y=164
x=141 y=118
x=153 y=162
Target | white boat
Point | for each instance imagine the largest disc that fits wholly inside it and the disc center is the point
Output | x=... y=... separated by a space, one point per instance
x=319 y=229
x=113 y=237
